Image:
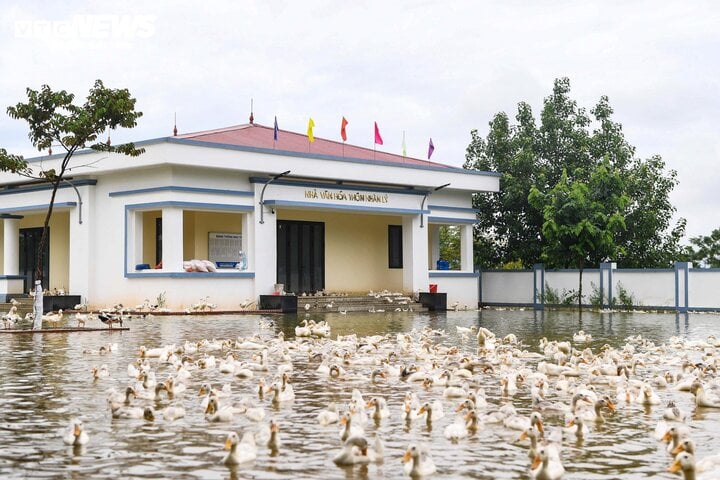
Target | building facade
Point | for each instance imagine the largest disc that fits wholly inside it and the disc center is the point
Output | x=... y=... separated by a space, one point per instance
x=311 y=216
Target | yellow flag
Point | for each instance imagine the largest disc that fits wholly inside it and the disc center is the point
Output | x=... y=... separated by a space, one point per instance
x=311 y=137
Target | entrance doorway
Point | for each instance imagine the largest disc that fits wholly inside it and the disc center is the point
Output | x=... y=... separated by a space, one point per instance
x=29 y=243
x=301 y=256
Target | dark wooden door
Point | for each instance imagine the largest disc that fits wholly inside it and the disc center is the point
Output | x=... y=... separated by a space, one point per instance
x=301 y=256
x=29 y=243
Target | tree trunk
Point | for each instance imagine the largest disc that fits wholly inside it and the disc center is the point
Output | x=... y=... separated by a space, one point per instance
x=580 y=288
x=38 y=302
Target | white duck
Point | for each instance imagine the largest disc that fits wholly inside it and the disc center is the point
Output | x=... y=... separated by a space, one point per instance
x=75 y=434
x=240 y=451
x=704 y=398
x=348 y=429
x=576 y=426
x=685 y=462
x=418 y=463
x=354 y=452
x=380 y=408
x=546 y=465
x=173 y=412
x=331 y=415
x=707 y=464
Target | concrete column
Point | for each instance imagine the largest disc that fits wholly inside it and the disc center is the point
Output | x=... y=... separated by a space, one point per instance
x=415 y=251
x=539 y=286
x=682 y=286
x=466 y=248
x=80 y=254
x=434 y=245
x=172 y=239
x=11 y=246
x=135 y=239
x=606 y=284
x=248 y=240
x=263 y=247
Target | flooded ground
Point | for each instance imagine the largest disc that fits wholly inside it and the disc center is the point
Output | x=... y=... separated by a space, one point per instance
x=46 y=380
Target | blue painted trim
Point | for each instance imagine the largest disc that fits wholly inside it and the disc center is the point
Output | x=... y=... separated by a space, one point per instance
x=87 y=151
x=500 y=270
x=125 y=262
x=177 y=188
x=287 y=153
x=14 y=189
x=137 y=206
x=192 y=275
x=11 y=217
x=705 y=270
x=454 y=209
x=11 y=277
x=466 y=221
x=538 y=304
x=440 y=274
x=332 y=206
x=39 y=207
x=338 y=186
x=205 y=206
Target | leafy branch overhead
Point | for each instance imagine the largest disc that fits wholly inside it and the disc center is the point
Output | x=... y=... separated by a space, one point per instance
x=568 y=144
x=54 y=120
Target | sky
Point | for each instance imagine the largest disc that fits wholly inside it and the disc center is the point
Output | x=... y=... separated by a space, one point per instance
x=420 y=68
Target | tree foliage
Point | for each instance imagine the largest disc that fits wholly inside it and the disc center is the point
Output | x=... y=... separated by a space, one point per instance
x=705 y=250
x=54 y=120
x=567 y=141
x=582 y=219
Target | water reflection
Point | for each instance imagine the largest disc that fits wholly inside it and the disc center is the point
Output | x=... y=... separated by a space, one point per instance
x=46 y=380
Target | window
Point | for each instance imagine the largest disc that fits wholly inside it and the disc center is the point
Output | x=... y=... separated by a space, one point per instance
x=395 y=251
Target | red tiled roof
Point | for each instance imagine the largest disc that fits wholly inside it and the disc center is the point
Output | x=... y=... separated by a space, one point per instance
x=260 y=136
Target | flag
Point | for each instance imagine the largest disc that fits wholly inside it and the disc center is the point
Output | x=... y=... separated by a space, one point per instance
x=311 y=137
x=431 y=149
x=404 y=147
x=378 y=138
x=275 y=131
x=343 y=133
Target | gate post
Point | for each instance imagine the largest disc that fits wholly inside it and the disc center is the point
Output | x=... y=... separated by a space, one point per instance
x=539 y=286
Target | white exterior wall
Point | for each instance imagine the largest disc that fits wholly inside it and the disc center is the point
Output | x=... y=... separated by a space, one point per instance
x=649 y=288
x=705 y=288
x=507 y=287
x=459 y=289
x=569 y=281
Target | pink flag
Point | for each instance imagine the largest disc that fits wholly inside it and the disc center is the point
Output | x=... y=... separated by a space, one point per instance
x=431 y=149
x=378 y=138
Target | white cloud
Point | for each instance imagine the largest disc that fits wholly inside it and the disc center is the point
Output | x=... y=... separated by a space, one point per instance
x=427 y=68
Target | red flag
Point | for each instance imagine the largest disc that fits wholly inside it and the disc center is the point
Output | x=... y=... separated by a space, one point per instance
x=343 y=133
x=378 y=138
x=431 y=149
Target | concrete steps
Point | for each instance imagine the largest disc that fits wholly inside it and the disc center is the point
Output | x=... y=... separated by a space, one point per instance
x=25 y=306
x=358 y=303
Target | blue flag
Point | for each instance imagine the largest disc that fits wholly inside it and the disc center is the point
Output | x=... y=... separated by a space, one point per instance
x=276 y=130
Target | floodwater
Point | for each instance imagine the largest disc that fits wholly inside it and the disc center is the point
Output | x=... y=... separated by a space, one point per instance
x=46 y=381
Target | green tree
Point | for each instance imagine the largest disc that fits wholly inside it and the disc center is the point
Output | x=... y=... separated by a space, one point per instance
x=571 y=140
x=705 y=250
x=582 y=219
x=54 y=120
x=450 y=245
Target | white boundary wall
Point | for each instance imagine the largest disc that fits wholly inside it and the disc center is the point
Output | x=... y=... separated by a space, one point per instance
x=681 y=288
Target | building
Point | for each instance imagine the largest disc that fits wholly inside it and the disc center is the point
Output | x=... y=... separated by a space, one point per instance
x=310 y=216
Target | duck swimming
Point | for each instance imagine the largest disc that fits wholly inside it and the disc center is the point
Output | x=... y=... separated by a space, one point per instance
x=75 y=434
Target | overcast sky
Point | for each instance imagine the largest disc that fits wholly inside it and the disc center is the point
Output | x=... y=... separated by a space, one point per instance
x=427 y=68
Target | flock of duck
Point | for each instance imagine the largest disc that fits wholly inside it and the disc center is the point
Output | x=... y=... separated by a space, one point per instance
x=463 y=389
